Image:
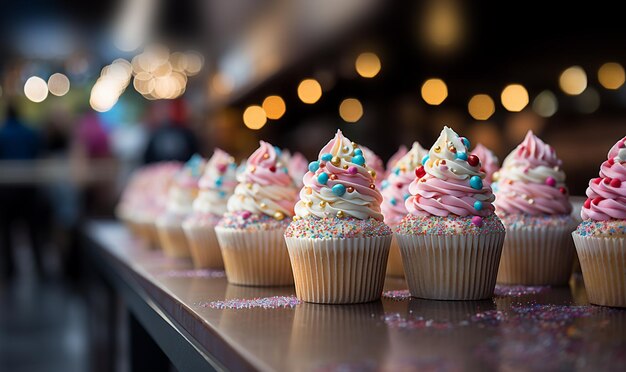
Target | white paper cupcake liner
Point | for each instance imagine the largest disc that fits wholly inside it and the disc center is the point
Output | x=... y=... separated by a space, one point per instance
x=173 y=240
x=537 y=256
x=394 y=263
x=451 y=267
x=603 y=262
x=148 y=232
x=256 y=258
x=203 y=245
x=339 y=271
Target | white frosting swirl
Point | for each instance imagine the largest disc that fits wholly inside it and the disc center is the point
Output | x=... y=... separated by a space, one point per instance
x=180 y=200
x=443 y=158
x=217 y=184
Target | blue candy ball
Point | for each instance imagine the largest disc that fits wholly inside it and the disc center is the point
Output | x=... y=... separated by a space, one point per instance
x=476 y=183
x=358 y=152
x=393 y=201
x=326 y=157
x=358 y=159
x=314 y=166
x=461 y=155
x=384 y=184
x=322 y=178
x=277 y=149
x=478 y=205
x=406 y=196
x=339 y=189
x=466 y=142
x=219 y=181
x=425 y=159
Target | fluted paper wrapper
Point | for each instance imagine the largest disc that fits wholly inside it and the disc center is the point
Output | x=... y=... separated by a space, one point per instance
x=451 y=267
x=394 y=263
x=256 y=258
x=148 y=232
x=204 y=247
x=339 y=271
x=537 y=256
x=603 y=262
x=173 y=240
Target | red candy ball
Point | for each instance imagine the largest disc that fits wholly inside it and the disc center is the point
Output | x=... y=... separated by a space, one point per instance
x=273 y=168
x=611 y=161
x=587 y=203
x=607 y=181
x=597 y=200
x=616 y=183
x=473 y=160
x=597 y=180
x=563 y=190
x=420 y=172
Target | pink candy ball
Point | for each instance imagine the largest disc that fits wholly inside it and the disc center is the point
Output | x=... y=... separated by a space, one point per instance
x=550 y=181
x=352 y=170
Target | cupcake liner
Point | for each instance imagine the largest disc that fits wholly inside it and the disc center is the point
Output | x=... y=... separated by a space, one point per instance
x=603 y=262
x=451 y=267
x=173 y=240
x=537 y=256
x=203 y=245
x=339 y=271
x=148 y=232
x=394 y=263
x=255 y=258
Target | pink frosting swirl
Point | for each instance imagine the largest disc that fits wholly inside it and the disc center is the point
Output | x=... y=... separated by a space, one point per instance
x=488 y=159
x=263 y=167
x=375 y=162
x=298 y=166
x=606 y=195
x=450 y=182
x=531 y=180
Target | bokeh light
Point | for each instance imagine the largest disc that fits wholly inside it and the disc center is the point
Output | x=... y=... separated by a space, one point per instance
x=573 y=80
x=351 y=110
x=367 y=65
x=545 y=104
x=254 y=117
x=611 y=75
x=481 y=107
x=58 y=84
x=36 y=89
x=274 y=107
x=434 y=91
x=514 y=97
x=309 y=91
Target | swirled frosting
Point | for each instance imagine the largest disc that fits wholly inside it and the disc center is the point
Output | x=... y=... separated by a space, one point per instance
x=402 y=150
x=374 y=162
x=265 y=186
x=395 y=188
x=339 y=184
x=532 y=181
x=450 y=182
x=217 y=184
x=184 y=189
x=488 y=159
x=298 y=166
x=606 y=195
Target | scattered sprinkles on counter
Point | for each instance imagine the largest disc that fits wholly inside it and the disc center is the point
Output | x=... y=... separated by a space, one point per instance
x=267 y=303
x=518 y=290
x=397 y=295
x=199 y=273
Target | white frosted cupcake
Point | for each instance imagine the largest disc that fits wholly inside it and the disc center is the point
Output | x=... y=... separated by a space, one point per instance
x=395 y=191
x=180 y=199
x=251 y=233
x=451 y=240
x=532 y=201
x=215 y=187
x=338 y=242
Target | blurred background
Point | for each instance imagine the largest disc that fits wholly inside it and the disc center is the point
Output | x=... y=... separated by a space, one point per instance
x=89 y=91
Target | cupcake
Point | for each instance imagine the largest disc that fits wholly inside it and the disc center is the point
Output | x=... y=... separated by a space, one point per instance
x=395 y=190
x=600 y=238
x=297 y=166
x=215 y=187
x=489 y=161
x=375 y=163
x=451 y=239
x=181 y=195
x=338 y=242
x=251 y=232
x=402 y=150
x=532 y=201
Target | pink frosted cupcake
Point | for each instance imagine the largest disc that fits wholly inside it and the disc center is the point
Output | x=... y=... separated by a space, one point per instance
x=216 y=186
x=375 y=163
x=532 y=201
x=402 y=150
x=297 y=166
x=395 y=191
x=489 y=161
x=451 y=240
x=338 y=242
x=251 y=232
x=181 y=195
x=600 y=238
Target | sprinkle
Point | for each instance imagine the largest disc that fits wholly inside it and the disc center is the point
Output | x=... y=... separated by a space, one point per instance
x=358 y=160
x=200 y=273
x=393 y=201
x=466 y=142
x=563 y=190
x=333 y=176
x=406 y=196
x=476 y=182
x=550 y=181
x=616 y=182
x=384 y=184
x=358 y=152
x=337 y=228
x=372 y=186
x=322 y=204
x=420 y=172
x=221 y=168
x=473 y=160
x=461 y=155
x=326 y=157
x=322 y=178
x=350 y=189
x=222 y=194
x=263 y=205
x=397 y=295
x=274 y=302
x=425 y=159
x=266 y=156
x=477 y=221
x=518 y=290
x=352 y=169
x=246 y=214
x=372 y=173
x=219 y=181
x=339 y=189
x=335 y=161
x=340 y=214
x=437 y=149
x=272 y=168
x=279 y=216
x=478 y=205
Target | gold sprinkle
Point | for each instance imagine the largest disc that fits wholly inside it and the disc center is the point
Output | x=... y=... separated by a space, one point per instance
x=346 y=149
x=309 y=203
x=531 y=201
x=452 y=149
x=403 y=168
x=340 y=214
x=279 y=216
x=335 y=161
x=495 y=176
x=241 y=197
x=263 y=205
x=354 y=145
x=372 y=186
x=372 y=173
x=333 y=177
x=295 y=218
x=252 y=169
x=308 y=190
x=345 y=166
x=422 y=179
x=322 y=204
x=266 y=156
x=349 y=189
x=437 y=149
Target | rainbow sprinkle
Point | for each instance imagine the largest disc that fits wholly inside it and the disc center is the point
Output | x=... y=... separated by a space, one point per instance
x=518 y=290
x=602 y=228
x=339 y=228
x=449 y=225
x=275 y=302
x=397 y=295
x=251 y=221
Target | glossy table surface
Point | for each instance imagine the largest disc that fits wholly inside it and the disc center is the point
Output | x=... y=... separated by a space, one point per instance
x=521 y=328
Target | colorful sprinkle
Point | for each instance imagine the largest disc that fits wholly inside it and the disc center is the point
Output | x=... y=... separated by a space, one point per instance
x=201 y=273
x=267 y=303
x=425 y=159
x=550 y=181
x=322 y=178
x=326 y=157
x=397 y=295
x=466 y=142
x=461 y=155
x=433 y=225
x=473 y=160
x=477 y=221
x=358 y=160
x=352 y=170
x=339 y=189
x=336 y=228
x=518 y=290
x=478 y=205
x=476 y=182
x=358 y=152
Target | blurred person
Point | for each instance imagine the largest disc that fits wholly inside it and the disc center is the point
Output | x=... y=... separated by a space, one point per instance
x=172 y=139
x=19 y=202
